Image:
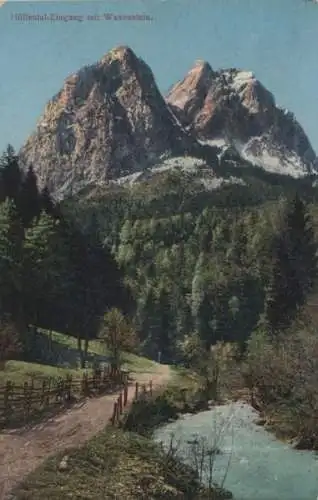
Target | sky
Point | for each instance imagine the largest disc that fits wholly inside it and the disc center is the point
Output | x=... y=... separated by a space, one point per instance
x=276 y=39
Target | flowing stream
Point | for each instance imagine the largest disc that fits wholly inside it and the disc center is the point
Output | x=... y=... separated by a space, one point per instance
x=259 y=466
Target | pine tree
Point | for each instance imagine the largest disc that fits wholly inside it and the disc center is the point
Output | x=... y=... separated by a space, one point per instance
x=294 y=267
x=11 y=237
x=43 y=263
x=29 y=198
x=163 y=337
x=10 y=174
x=302 y=246
x=46 y=201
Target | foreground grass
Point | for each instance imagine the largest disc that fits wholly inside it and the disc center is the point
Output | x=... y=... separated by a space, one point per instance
x=113 y=465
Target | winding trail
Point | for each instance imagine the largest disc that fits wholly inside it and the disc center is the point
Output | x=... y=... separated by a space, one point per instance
x=23 y=450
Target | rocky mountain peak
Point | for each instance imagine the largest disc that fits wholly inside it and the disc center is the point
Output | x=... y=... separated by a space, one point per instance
x=121 y=53
x=188 y=95
x=108 y=120
x=254 y=96
x=231 y=105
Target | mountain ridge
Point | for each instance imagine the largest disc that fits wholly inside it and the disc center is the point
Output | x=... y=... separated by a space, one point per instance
x=109 y=121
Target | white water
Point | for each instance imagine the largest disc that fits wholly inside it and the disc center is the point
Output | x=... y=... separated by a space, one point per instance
x=261 y=467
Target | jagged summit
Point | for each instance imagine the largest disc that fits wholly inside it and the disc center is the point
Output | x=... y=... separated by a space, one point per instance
x=108 y=120
x=187 y=96
x=120 y=52
x=232 y=107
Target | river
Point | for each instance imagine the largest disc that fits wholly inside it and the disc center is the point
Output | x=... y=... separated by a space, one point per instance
x=259 y=466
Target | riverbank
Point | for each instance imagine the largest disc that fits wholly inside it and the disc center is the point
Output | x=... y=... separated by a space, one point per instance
x=281 y=417
x=281 y=421
x=183 y=396
x=165 y=405
x=278 y=418
x=251 y=462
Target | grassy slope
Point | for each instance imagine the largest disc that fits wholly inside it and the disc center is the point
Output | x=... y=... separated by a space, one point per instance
x=131 y=362
x=21 y=371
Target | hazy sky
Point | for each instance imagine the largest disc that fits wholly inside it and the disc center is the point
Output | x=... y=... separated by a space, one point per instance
x=277 y=39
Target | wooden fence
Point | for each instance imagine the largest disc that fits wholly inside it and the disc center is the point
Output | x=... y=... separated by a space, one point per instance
x=122 y=400
x=21 y=403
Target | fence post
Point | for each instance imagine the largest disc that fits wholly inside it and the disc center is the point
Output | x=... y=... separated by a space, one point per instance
x=85 y=390
x=117 y=412
x=7 y=391
x=120 y=403
x=63 y=390
x=99 y=377
x=48 y=391
x=68 y=387
x=25 y=401
x=150 y=387
x=43 y=393
x=114 y=413
x=31 y=396
x=136 y=390
x=125 y=395
x=58 y=390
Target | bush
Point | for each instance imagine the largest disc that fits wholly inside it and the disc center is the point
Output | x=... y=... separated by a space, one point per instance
x=147 y=413
x=283 y=375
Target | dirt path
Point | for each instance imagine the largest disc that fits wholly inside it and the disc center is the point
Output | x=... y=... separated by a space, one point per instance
x=21 y=451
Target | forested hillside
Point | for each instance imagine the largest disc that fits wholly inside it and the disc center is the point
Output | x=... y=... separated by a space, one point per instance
x=200 y=261
x=53 y=275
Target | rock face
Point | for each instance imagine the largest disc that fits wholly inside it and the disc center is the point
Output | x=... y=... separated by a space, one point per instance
x=232 y=108
x=108 y=120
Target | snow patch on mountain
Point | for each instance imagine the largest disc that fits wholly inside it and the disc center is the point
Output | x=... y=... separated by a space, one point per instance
x=185 y=164
x=218 y=142
x=203 y=174
x=241 y=79
x=278 y=162
x=217 y=182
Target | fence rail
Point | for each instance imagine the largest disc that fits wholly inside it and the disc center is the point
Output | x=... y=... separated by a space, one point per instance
x=141 y=391
x=21 y=403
